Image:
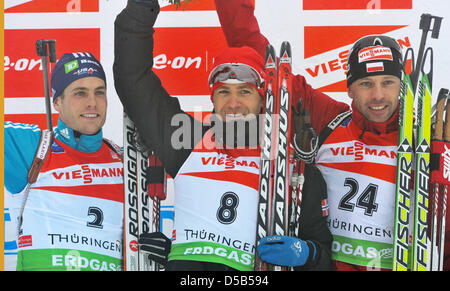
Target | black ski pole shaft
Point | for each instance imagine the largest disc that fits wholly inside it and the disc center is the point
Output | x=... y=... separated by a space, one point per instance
x=425 y=26
x=46 y=50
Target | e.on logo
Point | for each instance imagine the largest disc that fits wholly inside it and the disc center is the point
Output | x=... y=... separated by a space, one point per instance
x=161 y=62
x=22 y=64
x=183 y=57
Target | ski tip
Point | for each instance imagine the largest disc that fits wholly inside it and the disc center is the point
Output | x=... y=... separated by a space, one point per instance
x=285 y=49
x=285 y=52
x=270 y=57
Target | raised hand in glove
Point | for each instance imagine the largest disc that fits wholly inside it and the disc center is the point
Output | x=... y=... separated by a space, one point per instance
x=157 y=245
x=286 y=251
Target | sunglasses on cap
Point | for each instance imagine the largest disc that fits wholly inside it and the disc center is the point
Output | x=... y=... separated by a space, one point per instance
x=235 y=72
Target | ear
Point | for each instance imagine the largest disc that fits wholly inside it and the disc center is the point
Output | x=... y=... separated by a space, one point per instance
x=350 y=93
x=57 y=104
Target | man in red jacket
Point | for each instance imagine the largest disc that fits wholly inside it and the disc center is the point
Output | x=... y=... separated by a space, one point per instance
x=357 y=158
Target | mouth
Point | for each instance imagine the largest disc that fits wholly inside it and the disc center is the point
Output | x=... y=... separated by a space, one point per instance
x=90 y=115
x=230 y=117
x=238 y=116
x=378 y=108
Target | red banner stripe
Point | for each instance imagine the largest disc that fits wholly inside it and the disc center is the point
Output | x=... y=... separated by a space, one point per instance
x=240 y=177
x=320 y=39
x=356 y=4
x=44 y=6
x=379 y=171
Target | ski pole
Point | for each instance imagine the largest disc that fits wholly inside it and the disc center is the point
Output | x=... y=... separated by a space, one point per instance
x=437 y=137
x=46 y=50
x=443 y=209
x=425 y=26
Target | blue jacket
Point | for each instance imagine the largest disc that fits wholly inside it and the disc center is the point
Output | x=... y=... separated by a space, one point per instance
x=22 y=141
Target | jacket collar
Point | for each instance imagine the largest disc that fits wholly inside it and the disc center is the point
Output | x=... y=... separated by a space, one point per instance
x=80 y=142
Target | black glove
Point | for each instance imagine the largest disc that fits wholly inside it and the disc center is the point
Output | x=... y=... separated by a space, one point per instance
x=157 y=245
x=305 y=139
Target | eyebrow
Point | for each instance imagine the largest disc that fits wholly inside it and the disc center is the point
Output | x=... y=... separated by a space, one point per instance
x=86 y=89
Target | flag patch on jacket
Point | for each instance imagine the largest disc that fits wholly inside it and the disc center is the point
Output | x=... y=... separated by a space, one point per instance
x=325 y=208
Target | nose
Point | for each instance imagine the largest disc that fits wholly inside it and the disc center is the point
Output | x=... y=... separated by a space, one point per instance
x=233 y=104
x=91 y=100
x=377 y=92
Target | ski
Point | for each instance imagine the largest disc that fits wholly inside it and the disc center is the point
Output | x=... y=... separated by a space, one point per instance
x=131 y=224
x=419 y=252
x=284 y=153
x=267 y=153
x=404 y=164
x=276 y=151
x=416 y=86
x=443 y=203
x=141 y=213
x=438 y=180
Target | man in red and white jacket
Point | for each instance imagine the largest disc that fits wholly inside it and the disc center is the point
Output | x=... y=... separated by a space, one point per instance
x=357 y=159
x=216 y=174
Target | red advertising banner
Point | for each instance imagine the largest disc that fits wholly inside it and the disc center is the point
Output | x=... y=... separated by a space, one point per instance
x=23 y=71
x=42 y=6
x=322 y=39
x=183 y=57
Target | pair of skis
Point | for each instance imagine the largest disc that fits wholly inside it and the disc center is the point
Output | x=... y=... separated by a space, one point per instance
x=141 y=213
x=276 y=208
x=440 y=179
x=416 y=84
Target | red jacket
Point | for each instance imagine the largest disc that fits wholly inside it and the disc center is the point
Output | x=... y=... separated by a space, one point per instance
x=240 y=27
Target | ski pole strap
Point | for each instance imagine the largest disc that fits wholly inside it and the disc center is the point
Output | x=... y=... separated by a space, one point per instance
x=338 y=120
x=40 y=156
x=307 y=156
x=440 y=162
x=115 y=148
x=42 y=151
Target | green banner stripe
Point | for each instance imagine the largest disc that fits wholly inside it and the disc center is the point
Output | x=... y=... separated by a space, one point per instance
x=212 y=252
x=65 y=260
x=361 y=252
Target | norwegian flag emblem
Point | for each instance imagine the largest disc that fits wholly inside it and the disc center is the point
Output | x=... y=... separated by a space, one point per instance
x=325 y=208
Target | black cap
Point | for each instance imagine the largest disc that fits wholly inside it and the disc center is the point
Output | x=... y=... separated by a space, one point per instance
x=374 y=55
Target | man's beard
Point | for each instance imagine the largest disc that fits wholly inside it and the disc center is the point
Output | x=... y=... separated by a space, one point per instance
x=237 y=133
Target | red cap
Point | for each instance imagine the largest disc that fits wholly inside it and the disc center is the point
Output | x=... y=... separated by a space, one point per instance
x=240 y=55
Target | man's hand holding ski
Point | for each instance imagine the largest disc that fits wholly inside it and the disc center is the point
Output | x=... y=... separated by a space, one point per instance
x=286 y=251
x=156 y=245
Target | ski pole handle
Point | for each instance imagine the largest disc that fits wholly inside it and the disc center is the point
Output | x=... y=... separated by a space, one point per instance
x=439 y=125
x=425 y=24
x=46 y=50
x=446 y=133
